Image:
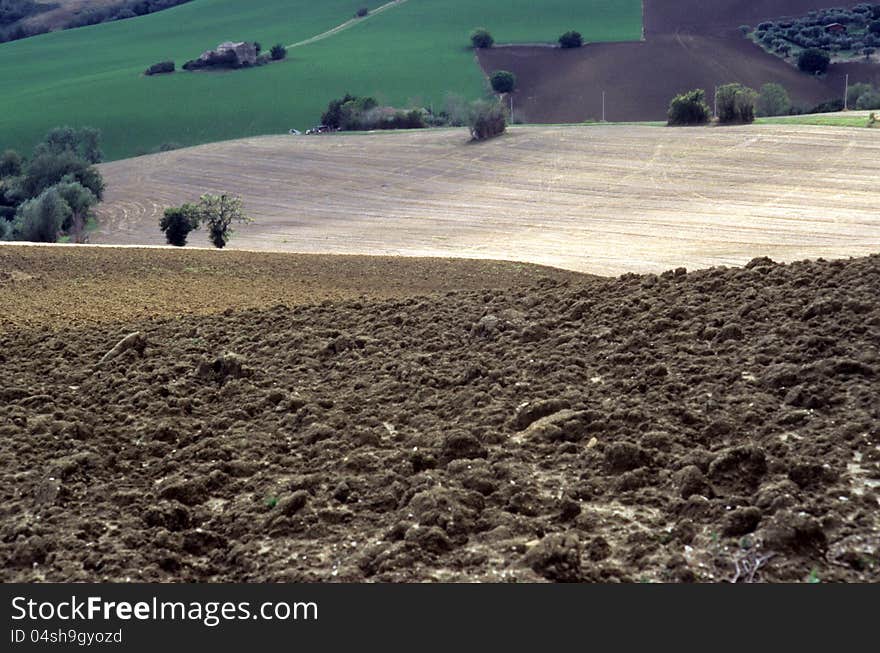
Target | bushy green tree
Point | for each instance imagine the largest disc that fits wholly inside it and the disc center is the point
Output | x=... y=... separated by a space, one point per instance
x=503 y=81
x=689 y=109
x=84 y=143
x=178 y=222
x=80 y=200
x=218 y=213
x=278 y=52
x=571 y=39
x=855 y=91
x=487 y=120
x=814 y=61
x=40 y=219
x=11 y=164
x=482 y=39
x=46 y=169
x=869 y=100
x=773 y=100
x=736 y=104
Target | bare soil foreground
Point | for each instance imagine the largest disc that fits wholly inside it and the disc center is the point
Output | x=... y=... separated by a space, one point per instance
x=708 y=426
x=604 y=200
x=688 y=44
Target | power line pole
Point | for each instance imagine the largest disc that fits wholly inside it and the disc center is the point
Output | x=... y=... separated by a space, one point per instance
x=715 y=114
x=846 y=95
x=603 y=106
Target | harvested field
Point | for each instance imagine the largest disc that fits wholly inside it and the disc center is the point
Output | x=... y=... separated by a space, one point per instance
x=604 y=200
x=711 y=426
x=691 y=44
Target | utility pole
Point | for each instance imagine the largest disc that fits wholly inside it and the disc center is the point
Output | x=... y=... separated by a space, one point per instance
x=603 y=106
x=846 y=95
x=715 y=114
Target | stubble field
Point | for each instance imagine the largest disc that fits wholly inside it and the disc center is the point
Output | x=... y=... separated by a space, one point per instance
x=603 y=200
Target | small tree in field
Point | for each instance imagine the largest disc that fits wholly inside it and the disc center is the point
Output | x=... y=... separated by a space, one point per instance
x=503 y=81
x=571 y=39
x=814 y=61
x=487 y=120
x=481 y=39
x=773 y=100
x=218 y=212
x=178 y=222
x=736 y=104
x=278 y=52
x=689 y=108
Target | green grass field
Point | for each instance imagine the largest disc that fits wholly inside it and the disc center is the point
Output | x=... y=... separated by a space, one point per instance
x=414 y=51
x=821 y=119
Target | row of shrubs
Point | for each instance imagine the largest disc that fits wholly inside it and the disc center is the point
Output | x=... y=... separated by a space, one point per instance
x=482 y=39
x=53 y=193
x=738 y=104
x=228 y=61
x=486 y=118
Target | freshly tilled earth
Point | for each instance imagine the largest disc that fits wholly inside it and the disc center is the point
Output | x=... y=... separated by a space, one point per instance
x=721 y=425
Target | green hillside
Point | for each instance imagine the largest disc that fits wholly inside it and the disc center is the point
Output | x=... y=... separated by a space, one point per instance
x=414 y=50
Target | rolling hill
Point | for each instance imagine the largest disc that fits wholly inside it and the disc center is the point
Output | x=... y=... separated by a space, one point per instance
x=417 y=49
x=602 y=199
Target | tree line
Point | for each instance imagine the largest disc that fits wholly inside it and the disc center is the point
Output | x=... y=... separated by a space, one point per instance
x=51 y=195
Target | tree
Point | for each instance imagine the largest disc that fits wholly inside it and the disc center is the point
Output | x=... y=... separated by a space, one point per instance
x=178 y=222
x=39 y=220
x=218 y=212
x=481 y=39
x=689 y=108
x=855 y=91
x=363 y=12
x=874 y=27
x=487 y=120
x=278 y=52
x=46 y=169
x=80 y=200
x=11 y=164
x=773 y=100
x=868 y=52
x=869 y=100
x=503 y=81
x=85 y=143
x=571 y=39
x=736 y=104
x=814 y=61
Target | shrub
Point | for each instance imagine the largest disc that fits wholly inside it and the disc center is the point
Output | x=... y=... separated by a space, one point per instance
x=869 y=100
x=218 y=212
x=362 y=12
x=177 y=223
x=503 y=81
x=482 y=39
x=745 y=29
x=80 y=200
x=39 y=220
x=46 y=170
x=487 y=120
x=5 y=229
x=571 y=39
x=829 y=106
x=689 y=109
x=813 y=61
x=161 y=68
x=855 y=91
x=773 y=100
x=11 y=164
x=736 y=104
x=278 y=52
x=868 y=52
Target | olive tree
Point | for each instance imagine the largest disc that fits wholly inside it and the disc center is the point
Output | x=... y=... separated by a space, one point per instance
x=218 y=213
